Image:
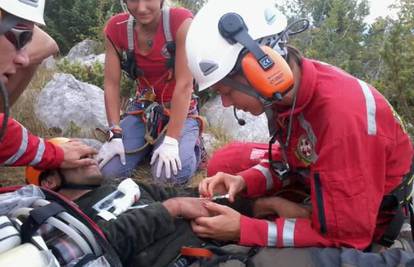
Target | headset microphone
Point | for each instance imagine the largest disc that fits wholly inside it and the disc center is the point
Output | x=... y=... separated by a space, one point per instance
x=241 y=122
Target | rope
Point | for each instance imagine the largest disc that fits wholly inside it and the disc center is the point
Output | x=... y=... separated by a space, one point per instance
x=150 y=140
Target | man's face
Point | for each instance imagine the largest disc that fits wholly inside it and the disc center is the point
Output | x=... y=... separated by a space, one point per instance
x=12 y=55
x=83 y=175
x=87 y=175
x=233 y=97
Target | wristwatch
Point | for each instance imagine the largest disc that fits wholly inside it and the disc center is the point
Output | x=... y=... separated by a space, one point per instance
x=115 y=131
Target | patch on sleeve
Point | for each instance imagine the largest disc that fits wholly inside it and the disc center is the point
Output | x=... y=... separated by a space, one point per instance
x=305 y=150
x=398 y=118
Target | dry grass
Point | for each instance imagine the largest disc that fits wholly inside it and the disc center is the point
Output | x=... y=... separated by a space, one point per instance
x=220 y=136
x=23 y=110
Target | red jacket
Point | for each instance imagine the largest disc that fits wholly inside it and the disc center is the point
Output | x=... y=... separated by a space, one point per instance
x=20 y=148
x=354 y=150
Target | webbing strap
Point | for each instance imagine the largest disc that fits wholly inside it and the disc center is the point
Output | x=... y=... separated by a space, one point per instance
x=130 y=32
x=166 y=24
x=37 y=217
x=400 y=197
x=402 y=193
x=393 y=229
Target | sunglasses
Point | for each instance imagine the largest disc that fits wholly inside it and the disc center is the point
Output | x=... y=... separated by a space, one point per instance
x=19 y=37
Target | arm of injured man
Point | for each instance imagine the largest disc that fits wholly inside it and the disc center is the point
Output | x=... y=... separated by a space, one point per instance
x=280 y=207
x=137 y=229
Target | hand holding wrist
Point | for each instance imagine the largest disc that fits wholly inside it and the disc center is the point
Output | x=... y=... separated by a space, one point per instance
x=172 y=207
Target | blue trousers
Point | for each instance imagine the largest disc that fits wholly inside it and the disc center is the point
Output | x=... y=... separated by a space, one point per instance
x=133 y=129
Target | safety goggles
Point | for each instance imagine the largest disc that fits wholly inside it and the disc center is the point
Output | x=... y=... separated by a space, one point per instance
x=19 y=36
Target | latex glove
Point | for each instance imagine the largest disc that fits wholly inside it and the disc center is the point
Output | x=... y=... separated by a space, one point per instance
x=168 y=156
x=131 y=195
x=109 y=150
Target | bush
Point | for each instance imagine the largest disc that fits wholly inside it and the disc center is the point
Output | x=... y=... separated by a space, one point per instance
x=71 y=21
x=93 y=74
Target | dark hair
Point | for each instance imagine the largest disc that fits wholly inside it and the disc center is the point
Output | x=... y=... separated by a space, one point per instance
x=44 y=174
x=294 y=54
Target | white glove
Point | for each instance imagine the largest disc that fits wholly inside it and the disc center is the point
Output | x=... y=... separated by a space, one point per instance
x=168 y=156
x=109 y=150
x=131 y=195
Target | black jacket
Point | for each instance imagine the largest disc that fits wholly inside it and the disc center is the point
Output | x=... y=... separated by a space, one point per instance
x=148 y=236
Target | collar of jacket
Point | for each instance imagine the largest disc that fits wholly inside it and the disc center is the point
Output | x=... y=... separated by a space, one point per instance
x=306 y=89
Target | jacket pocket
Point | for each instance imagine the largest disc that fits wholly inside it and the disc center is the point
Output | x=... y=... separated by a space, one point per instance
x=348 y=199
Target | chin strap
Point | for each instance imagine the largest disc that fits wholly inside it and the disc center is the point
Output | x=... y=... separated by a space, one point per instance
x=247 y=89
x=4 y=96
x=79 y=186
x=66 y=185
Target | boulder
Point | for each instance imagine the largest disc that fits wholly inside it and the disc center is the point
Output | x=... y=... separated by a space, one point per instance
x=66 y=102
x=84 y=53
x=83 y=49
x=218 y=116
x=49 y=63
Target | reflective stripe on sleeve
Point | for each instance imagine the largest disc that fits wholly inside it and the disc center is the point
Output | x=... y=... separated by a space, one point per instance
x=22 y=148
x=39 y=153
x=266 y=173
x=271 y=234
x=371 y=108
x=289 y=233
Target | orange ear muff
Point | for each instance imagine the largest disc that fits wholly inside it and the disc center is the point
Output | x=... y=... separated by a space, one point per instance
x=276 y=79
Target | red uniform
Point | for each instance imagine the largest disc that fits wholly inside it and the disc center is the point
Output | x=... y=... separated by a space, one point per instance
x=20 y=148
x=350 y=148
x=154 y=63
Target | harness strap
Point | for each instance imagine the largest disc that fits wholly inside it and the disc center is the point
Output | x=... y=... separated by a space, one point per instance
x=134 y=71
x=393 y=229
x=37 y=217
x=196 y=252
x=130 y=32
x=149 y=129
x=166 y=24
x=394 y=202
x=169 y=40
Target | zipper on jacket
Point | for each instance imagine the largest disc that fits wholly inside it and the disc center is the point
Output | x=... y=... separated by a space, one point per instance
x=319 y=201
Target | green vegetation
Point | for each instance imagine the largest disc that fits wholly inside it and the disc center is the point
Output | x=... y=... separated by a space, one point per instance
x=381 y=54
x=93 y=74
x=71 y=21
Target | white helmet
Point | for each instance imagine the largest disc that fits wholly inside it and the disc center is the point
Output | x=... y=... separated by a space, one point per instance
x=210 y=56
x=31 y=10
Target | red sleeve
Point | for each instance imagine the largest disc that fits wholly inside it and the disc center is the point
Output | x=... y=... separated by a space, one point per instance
x=20 y=148
x=260 y=179
x=178 y=16
x=282 y=232
x=116 y=30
